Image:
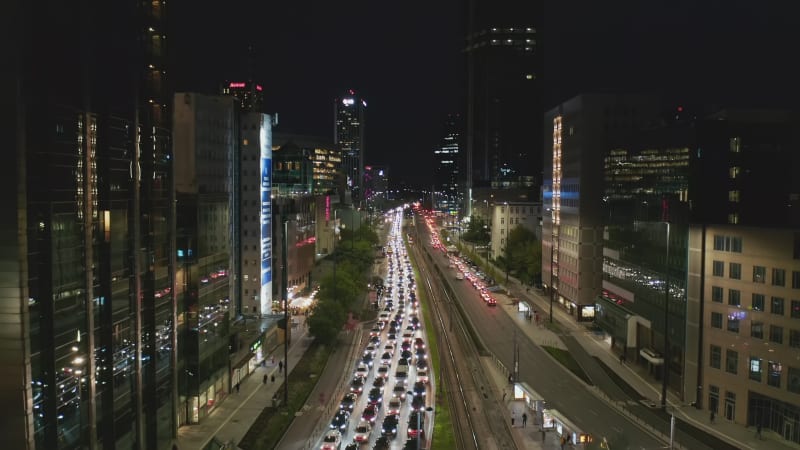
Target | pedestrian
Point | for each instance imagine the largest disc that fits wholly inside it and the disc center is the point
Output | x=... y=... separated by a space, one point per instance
x=711 y=417
x=758 y=431
x=272 y=378
x=621 y=358
x=513 y=417
x=543 y=433
x=563 y=442
x=505 y=393
x=237 y=387
x=265 y=379
x=524 y=420
x=280 y=366
x=510 y=379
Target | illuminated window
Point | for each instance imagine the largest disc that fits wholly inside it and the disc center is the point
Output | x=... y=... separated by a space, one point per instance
x=733 y=196
x=736 y=144
x=774 y=375
x=755 y=368
x=734 y=172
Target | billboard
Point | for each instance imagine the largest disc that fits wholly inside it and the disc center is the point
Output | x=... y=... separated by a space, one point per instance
x=265 y=142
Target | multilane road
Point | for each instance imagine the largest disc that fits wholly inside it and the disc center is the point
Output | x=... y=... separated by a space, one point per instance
x=561 y=389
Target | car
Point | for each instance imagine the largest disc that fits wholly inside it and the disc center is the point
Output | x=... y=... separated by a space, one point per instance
x=370 y=349
x=417 y=402
x=399 y=390
x=420 y=388
x=375 y=331
x=415 y=322
x=392 y=337
x=379 y=382
x=375 y=340
x=375 y=396
x=353 y=446
x=370 y=413
x=420 y=354
x=382 y=443
x=367 y=359
x=357 y=385
x=422 y=363
x=491 y=302
x=408 y=335
x=419 y=343
x=389 y=427
x=393 y=407
x=340 y=420
x=401 y=373
x=406 y=355
x=348 y=401
x=389 y=348
x=362 y=369
x=383 y=371
x=416 y=421
x=362 y=431
x=386 y=358
x=332 y=440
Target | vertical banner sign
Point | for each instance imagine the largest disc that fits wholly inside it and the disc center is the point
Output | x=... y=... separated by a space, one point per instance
x=265 y=141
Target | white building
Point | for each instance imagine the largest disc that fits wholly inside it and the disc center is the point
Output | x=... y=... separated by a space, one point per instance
x=255 y=212
x=508 y=215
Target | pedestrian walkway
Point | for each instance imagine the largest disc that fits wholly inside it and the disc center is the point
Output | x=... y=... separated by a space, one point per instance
x=584 y=344
x=231 y=420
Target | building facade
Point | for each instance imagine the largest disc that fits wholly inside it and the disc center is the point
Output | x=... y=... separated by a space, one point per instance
x=348 y=135
x=255 y=213
x=205 y=141
x=249 y=95
x=580 y=132
x=507 y=216
x=448 y=168
x=89 y=310
x=749 y=284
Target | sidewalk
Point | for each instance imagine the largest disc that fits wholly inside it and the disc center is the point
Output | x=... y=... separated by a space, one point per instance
x=595 y=346
x=231 y=420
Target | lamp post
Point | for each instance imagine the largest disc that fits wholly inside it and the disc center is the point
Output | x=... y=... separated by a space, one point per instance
x=285 y=281
x=665 y=376
x=552 y=288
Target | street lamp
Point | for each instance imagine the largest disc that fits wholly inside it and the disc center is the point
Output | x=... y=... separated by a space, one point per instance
x=665 y=376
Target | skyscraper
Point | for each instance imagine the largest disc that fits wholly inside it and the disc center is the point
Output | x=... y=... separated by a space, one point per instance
x=448 y=160
x=205 y=139
x=348 y=134
x=503 y=112
x=88 y=231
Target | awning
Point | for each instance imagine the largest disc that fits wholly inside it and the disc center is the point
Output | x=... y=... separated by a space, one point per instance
x=651 y=356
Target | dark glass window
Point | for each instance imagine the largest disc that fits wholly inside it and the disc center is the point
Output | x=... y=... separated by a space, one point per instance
x=719 y=269
x=758 y=302
x=733 y=324
x=795 y=279
x=776 y=334
x=793 y=380
x=719 y=242
x=795 y=312
x=757 y=329
x=734 y=297
x=735 y=271
x=778 y=277
x=716 y=294
x=777 y=306
x=759 y=274
x=716 y=320
x=716 y=357
x=794 y=338
x=731 y=361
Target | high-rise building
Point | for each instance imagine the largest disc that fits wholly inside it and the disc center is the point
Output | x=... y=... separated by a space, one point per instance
x=249 y=95
x=205 y=141
x=89 y=306
x=503 y=110
x=448 y=170
x=580 y=132
x=376 y=184
x=348 y=134
x=322 y=157
x=255 y=213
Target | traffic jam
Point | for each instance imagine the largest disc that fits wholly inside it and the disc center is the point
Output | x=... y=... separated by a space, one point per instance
x=463 y=268
x=387 y=398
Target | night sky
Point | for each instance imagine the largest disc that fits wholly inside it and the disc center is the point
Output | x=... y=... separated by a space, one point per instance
x=404 y=58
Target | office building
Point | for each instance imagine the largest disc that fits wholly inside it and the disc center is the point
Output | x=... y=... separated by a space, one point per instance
x=205 y=141
x=503 y=111
x=89 y=310
x=448 y=168
x=580 y=132
x=324 y=161
x=348 y=135
x=249 y=95
x=376 y=186
x=749 y=282
x=255 y=213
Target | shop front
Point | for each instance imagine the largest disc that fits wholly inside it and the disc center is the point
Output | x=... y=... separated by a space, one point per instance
x=554 y=420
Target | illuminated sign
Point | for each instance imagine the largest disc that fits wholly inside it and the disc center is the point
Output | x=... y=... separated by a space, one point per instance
x=327 y=207
x=236 y=85
x=347 y=101
x=259 y=88
x=265 y=141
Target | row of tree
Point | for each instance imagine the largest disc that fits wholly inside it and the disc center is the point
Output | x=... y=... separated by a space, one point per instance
x=342 y=291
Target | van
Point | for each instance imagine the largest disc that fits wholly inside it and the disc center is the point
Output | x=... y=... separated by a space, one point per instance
x=459 y=276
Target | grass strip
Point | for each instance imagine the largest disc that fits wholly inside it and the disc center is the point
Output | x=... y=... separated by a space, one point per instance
x=566 y=360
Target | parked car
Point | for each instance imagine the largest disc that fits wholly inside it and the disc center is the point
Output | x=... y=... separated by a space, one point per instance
x=332 y=440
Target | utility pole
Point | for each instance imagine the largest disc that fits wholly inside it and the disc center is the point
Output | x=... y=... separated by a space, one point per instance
x=665 y=377
x=285 y=283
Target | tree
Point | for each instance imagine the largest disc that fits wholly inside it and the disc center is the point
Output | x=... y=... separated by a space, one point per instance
x=477 y=231
x=522 y=255
x=326 y=320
